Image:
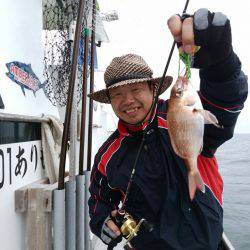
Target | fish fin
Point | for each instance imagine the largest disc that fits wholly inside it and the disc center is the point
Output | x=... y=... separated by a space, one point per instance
x=195 y=181
x=209 y=118
x=22 y=88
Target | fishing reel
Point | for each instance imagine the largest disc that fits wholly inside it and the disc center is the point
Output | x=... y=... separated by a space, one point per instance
x=129 y=227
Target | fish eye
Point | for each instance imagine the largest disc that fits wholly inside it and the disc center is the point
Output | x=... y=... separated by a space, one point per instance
x=179 y=92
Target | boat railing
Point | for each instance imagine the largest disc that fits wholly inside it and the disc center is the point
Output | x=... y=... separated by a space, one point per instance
x=22 y=118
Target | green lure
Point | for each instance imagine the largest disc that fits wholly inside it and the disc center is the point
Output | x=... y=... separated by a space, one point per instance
x=186 y=59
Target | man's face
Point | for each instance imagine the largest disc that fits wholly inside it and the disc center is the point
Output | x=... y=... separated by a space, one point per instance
x=132 y=102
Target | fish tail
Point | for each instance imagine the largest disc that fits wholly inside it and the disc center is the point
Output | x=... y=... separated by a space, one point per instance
x=195 y=181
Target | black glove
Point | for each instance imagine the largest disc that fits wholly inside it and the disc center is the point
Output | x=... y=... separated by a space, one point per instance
x=212 y=32
x=108 y=236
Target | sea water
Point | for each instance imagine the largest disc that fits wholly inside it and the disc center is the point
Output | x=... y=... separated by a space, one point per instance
x=234 y=163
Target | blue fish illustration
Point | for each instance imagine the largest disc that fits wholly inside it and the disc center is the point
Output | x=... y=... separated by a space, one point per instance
x=24 y=76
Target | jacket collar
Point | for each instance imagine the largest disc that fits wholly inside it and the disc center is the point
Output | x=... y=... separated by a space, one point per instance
x=126 y=129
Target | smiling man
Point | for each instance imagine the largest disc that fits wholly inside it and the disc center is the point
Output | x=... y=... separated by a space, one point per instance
x=131 y=103
x=159 y=191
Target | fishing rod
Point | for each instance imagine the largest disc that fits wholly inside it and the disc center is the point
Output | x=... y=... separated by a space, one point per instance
x=70 y=96
x=84 y=99
x=123 y=219
x=150 y=117
x=92 y=73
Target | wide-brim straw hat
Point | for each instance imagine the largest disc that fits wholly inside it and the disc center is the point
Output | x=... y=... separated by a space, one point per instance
x=128 y=69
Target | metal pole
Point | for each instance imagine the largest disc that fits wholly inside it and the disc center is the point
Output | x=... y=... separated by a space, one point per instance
x=70 y=209
x=59 y=219
x=80 y=199
x=87 y=173
x=86 y=217
x=92 y=74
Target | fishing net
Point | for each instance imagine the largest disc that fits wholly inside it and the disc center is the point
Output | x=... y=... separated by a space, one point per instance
x=59 y=20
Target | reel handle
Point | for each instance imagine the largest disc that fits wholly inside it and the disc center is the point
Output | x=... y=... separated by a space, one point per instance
x=119 y=218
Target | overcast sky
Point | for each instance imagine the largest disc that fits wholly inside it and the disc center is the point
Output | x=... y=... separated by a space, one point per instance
x=142 y=29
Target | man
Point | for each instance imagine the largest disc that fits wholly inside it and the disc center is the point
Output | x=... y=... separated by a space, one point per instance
x=159 y=192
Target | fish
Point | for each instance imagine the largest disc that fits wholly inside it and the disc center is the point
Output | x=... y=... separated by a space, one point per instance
x=186 y=128
x=24 y=76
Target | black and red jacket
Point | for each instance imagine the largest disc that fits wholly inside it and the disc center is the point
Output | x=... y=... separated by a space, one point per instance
x=160 y=192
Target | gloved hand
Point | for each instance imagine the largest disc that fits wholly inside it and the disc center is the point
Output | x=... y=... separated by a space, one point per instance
x=110 y=233
x=210 y=31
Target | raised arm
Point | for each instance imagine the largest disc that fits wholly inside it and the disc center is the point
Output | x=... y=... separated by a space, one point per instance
x=223 y=86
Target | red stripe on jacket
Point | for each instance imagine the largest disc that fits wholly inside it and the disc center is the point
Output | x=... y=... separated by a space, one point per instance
x=210 y=174
x=217 y=106
x=162 y=123
x=114 y=146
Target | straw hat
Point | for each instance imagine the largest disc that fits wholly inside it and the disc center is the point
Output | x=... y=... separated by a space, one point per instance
x=124 y=70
